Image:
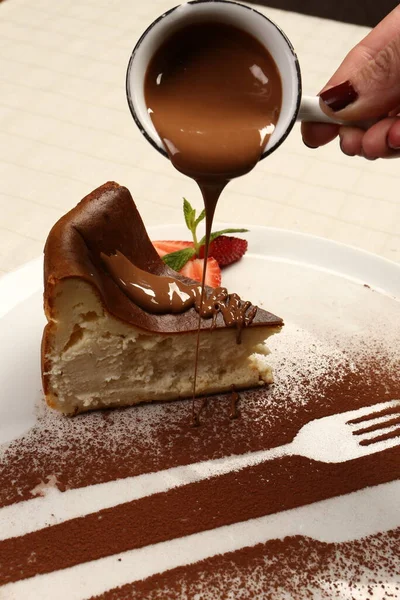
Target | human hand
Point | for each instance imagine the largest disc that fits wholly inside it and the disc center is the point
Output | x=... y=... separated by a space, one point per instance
x=365 y=87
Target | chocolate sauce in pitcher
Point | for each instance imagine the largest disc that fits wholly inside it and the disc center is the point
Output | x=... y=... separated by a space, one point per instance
x=214 y=95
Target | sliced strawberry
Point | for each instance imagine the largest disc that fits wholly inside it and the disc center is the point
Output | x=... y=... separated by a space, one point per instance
x=226 y=249
x=164 y=247
x=194 y=270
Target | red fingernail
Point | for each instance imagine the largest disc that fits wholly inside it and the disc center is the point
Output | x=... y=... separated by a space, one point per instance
x=340 y=96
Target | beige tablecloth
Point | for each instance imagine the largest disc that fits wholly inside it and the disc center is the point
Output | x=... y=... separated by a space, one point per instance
x=65 y=128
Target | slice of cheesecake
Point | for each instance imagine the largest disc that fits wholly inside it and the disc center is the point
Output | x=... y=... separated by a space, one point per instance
x=100 y=349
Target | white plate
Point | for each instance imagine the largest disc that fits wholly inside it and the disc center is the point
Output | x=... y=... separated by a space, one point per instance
x=315 y=284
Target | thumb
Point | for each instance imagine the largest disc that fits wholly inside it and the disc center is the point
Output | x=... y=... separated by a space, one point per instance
x=372 y=90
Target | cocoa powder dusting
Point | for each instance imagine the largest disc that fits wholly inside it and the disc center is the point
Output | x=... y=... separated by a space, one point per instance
x=87 y=449
x=258 y=491
x=378 y=426
x=295 y=568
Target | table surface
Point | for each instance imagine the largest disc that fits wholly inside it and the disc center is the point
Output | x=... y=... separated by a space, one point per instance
x=65 y=128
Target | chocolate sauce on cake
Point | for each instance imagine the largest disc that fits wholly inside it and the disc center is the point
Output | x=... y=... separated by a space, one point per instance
x=214 y=94
x=161 y=294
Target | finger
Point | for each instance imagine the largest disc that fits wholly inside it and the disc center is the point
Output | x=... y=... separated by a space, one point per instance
x=351 y=140
x=368 y=48
x=318 y=134
x=367 y=84
x=375 y=140
x=374 y=90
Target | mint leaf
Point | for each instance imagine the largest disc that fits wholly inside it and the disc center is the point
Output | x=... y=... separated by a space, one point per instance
x=189 y=213
x=216 y=234
x=200 y=217
x=177 y=260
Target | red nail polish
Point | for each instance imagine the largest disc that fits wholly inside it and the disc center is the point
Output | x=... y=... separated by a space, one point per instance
x=340 y=96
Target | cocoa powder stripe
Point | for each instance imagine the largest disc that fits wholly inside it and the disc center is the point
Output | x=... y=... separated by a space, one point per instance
x=295 y=566
x=382 y=438
x=374 y=415
x=249 y=493
x=377 y=426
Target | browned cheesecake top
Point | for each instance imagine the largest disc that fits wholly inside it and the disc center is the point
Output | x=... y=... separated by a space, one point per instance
x=107 y=221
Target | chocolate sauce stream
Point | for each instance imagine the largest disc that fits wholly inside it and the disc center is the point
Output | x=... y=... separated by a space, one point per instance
x=234 y=398
x=214 y=94
x=211 y=193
